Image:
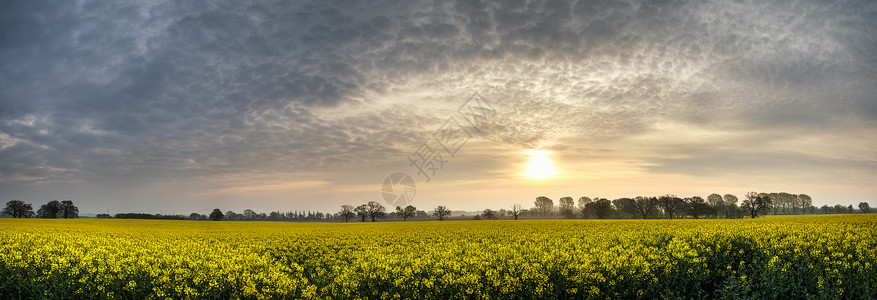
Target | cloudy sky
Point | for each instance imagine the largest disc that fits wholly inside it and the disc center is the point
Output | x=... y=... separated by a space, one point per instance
x=182 y=106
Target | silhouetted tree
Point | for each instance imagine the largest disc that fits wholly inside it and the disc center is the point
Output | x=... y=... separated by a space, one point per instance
x=544 y=205
x=376 y=210
x=670 y=204
x=601 y=207
x=104 y=216
x=583 y=202
x=566 y=206
x=232 y=216
x=216 y=215
x=697 y=207
x=361 y=211
x=249 y=214
x=805 y=200
x=50 y=210
x=516 y=210
x=645 y=205
x=489 y=214
x=346 y=212
x=626 y=207
x=67 y=210
x=756 y=203
x=717 y=203
x=18 y=209
x=407 y=212
x=864 y=207
x=730 y=203
x=195 y=216
x=441 y=212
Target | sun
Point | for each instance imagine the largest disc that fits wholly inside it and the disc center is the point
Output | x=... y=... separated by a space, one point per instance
x=539 y=167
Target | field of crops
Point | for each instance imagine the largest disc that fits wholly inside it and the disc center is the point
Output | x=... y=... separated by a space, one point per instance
x=779 y=257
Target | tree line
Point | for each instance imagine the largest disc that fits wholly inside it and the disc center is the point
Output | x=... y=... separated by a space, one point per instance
x=52 y=210
x=665 y=206
x=671 y=206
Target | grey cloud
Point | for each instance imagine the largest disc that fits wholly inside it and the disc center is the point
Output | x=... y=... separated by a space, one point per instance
x=196 y=88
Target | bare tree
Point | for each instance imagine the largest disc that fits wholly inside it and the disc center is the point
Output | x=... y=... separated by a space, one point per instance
x=346 y=212
x=516 y=210
x=756 y=202
x=441 y=212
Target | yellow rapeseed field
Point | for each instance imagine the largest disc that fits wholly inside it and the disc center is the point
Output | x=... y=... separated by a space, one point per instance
x=778 y=257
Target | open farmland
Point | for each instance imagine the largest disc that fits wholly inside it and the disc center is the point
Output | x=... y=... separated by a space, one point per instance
x=779 y=257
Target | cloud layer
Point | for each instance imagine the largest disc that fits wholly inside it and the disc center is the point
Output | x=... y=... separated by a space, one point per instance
x=133 y=91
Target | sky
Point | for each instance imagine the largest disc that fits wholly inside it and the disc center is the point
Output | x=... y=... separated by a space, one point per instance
x=185 y=106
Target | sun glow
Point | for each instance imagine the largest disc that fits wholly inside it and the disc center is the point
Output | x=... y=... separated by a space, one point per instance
x=539 y=167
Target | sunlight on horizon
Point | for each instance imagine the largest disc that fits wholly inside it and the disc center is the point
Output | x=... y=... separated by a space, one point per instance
x=540 y=167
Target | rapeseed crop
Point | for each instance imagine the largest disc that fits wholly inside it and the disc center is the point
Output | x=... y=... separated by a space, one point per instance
x=788 y=257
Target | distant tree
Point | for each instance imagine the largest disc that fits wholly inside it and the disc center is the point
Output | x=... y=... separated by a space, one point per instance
x=502 y=212
x=717 y=203
x=376 y=210
x=489 y=214
x=50 y=210
x=544 y=205
x=645 y=206
x=231 y=216
x=626 y=207
x=361 y=211
x=730 y=204
x=825 y=209
x=103 y=216
x=850 y=209
x=441 y=212
x=601 y=207
x=516 y=210
x=756 y=203
x=195 y=216
x=805 y=200
x=583 y=202
x=697 y=207
x=670 y=204
x=67 y=210
x=249 y=214
x=346 y=212
x=407 y=212
x=422 y=214
x=18 y=209
x=567 y=206
x=864 y=207
x=216 y=215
